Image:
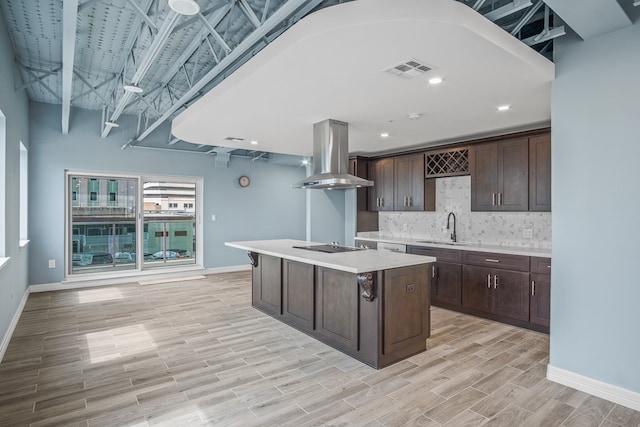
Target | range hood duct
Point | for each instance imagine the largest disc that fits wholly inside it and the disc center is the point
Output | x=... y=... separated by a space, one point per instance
x=331 y=159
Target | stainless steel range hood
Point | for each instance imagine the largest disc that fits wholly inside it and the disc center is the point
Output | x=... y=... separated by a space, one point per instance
x=331 y=158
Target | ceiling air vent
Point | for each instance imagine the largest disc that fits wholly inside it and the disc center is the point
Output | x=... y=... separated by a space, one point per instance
x=409 y=69
x=234 y=139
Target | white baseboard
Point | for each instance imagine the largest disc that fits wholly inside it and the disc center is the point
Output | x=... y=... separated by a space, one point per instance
x=13 y=324
x=134 y=277
x=615 y=394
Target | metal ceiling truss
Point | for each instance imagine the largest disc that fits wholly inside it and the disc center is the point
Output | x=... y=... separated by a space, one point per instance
x=176 y=58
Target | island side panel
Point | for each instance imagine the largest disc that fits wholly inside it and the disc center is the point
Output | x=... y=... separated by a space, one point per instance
x=266 y=283
x=298 y=295
x=405 y=312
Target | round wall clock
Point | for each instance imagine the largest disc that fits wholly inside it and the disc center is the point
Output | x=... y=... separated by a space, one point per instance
x=244 y=181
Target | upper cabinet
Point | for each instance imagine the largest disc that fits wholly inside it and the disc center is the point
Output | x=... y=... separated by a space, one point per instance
x=400 y=185
x=540 y=173
x=365 y=220
x=500 y=175
x=381 y=194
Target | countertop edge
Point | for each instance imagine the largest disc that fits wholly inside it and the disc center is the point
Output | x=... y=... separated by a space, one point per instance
x=543 y=253
x=392 y=260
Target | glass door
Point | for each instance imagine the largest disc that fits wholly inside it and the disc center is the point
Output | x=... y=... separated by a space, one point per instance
x=169 y=221
x=103 y=211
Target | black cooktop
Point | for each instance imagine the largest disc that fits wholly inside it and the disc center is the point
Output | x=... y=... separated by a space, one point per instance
x=330 y=249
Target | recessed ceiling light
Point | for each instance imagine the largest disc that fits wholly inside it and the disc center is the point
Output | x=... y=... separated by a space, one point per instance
x=504 y=107
x=133 y=89
x=254 y=142
x=435 y=80
x=111 y=124
x=184 y=7
x=384 y=135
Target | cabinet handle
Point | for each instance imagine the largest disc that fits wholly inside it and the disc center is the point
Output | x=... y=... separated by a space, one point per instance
x=493 y=199
x=488 y=281
x=491 y=260
x=433 y=271
x=533 y=288
x=495 y=281
x=381 y=201
x=499 y=199
x=406 y=201
x=548 y=266
x=409 y=200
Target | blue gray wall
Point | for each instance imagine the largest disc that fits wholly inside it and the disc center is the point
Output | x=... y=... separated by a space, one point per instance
x=596 y=205
x=14 y=105
x=267 y=209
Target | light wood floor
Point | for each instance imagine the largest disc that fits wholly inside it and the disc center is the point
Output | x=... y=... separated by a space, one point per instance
x=195 y=352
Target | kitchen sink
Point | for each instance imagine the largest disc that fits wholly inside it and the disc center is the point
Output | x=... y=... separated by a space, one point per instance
x=442 y=243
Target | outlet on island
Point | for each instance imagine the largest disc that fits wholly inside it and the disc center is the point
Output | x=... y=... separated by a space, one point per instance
x=527 y=233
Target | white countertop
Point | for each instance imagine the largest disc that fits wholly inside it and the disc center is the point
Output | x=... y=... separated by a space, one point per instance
x=352 y=262
x=478 y=247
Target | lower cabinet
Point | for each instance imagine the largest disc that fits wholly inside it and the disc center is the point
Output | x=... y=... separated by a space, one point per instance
x=298 y=284
x=266 y=283
x=503 y=293
x=337 y=308
x=446 y=275
x=540 y=298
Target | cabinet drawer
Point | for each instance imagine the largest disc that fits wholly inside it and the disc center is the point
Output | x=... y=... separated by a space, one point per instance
x=540 y=265
x=488 y=259
x=446 y=255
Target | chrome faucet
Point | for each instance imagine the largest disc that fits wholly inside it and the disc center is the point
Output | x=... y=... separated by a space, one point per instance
x=453 y=235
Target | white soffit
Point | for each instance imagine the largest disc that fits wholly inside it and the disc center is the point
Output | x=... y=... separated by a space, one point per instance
x=332 y=64
x=590 y=18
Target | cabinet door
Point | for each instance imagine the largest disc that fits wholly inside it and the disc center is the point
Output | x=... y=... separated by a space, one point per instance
x=267 y=285
x=511 y=294
x=406 y=314
x=477 y=288
x=540 y=173
x=337 y=308
x=483 y=164
x=540 y=302
x=409 y=182
x=298 y=295
x=446 y=286
x=381 y=194
x=513 y=175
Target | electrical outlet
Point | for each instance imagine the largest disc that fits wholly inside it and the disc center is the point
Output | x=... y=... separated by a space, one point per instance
x=411 y=288
x=527 y=233
x=405 y=228
x=52 y=263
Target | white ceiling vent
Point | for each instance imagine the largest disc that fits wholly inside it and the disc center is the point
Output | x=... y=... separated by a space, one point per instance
x=409 y=69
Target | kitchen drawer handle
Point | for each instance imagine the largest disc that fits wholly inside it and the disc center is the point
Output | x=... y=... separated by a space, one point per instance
x=495 y=281
x=381 y=201
x=433 y=271
x=491 y=260
x=409 y=201
x=548 y=266
x=533 y=288
x=493 y=199
x=499 y=199
x=488 y=281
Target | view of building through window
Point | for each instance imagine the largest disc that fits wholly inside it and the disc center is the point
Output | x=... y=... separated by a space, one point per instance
x=107 y=234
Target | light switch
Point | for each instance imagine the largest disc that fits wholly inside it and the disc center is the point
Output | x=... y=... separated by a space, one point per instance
x=213 y=217
x=52 y=263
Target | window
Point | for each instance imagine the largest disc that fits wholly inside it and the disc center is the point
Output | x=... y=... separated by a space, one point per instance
x=24 y=192
x=173 y=205
x=188 y=205
x=93 y=196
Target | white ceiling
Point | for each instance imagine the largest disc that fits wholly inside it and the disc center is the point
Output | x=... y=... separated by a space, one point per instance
x=330 y=65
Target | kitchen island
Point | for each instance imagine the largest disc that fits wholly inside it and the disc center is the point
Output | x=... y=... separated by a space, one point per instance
x=371 y=305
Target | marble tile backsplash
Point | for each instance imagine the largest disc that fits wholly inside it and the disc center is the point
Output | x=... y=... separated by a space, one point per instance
x=494 y=228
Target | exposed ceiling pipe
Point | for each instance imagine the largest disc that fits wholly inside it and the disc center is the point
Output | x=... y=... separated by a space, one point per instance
x=150 y=55
x=272 y=22
x=69 y=25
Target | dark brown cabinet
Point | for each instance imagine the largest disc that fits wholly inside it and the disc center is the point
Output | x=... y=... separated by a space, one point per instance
x=503 y=293
x=500 y=175
x=496 y=284
x=366 y=220
x=266 y=284
x=298 y=283
x=540 y=298
x=381 y=194
x=446 y=275
x=409 y=183
x=540 y=173
x=400 y=185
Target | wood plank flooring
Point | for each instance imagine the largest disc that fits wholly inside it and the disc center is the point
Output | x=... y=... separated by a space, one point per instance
x=196 y=353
